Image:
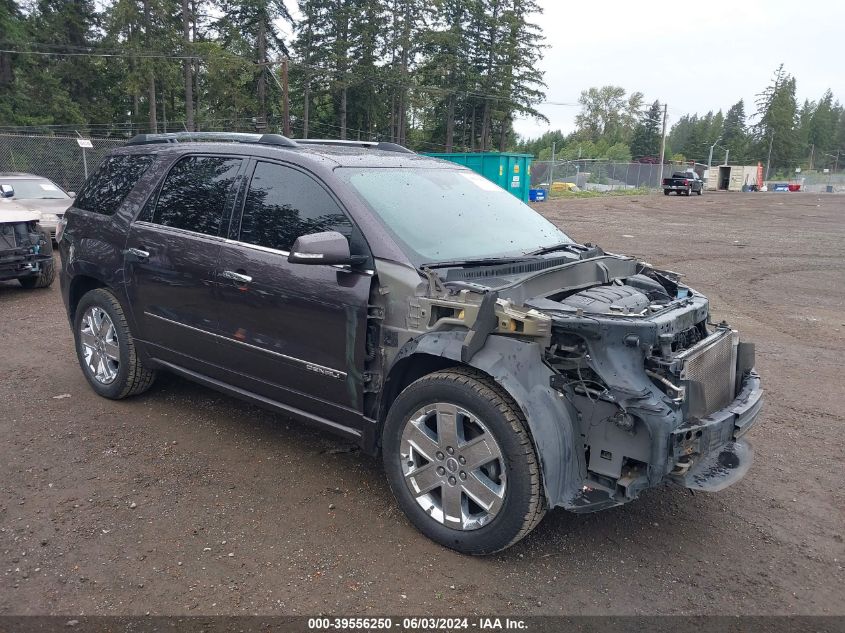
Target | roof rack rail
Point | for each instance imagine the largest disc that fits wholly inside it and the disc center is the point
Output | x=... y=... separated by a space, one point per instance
x=380 y=145
x=212 y=137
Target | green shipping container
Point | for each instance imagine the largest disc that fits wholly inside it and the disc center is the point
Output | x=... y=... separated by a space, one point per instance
x=511 y=171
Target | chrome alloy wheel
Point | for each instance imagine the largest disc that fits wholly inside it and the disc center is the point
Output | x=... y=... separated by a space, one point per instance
x=453 y=466
x=100 y=346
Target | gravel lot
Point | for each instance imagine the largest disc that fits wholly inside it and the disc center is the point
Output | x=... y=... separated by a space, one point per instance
x=186 y=501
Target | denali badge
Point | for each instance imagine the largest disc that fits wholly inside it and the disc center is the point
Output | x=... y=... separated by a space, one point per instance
x=332 y=373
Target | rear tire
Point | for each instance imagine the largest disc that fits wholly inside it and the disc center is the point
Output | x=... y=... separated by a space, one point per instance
x=482 y=415
x=44 y=279
x=105 y=347
x=666 y=192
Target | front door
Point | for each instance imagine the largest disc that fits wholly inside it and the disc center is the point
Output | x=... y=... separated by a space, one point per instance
x=170 y=259
x=294 y=333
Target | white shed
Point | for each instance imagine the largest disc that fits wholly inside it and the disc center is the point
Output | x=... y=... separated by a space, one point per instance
x=733 y=177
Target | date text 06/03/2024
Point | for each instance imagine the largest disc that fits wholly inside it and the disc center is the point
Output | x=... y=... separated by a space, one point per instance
x=417 y=624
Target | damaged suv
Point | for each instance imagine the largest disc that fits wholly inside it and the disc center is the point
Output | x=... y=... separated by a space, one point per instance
x=407 y=303
x=26 y=249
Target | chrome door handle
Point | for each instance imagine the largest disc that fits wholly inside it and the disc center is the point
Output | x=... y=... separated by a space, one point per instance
x=231 y=274
x=137 y=252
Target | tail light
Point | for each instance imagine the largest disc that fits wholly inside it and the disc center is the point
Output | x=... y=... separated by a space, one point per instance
x=686 y=182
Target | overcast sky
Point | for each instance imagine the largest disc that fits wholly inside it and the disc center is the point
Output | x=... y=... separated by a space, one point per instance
x=695 y=56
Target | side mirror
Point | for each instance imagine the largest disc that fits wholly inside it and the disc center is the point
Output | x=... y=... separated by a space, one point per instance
x=327 y=248
x=7 y=191
x=71 y=194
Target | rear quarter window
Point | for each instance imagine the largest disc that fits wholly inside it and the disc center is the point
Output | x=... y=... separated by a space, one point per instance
x=194 y=194
x=106 y=189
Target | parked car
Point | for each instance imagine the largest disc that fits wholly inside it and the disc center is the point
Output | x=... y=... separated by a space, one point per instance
x=409 y=304
x=40 y=194
x=26 y=250
x=683 y=182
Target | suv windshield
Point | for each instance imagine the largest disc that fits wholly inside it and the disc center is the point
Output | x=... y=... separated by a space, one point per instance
x=35 y=188
x=451 y=214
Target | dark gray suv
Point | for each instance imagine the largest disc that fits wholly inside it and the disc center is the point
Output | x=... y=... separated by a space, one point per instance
x=409 y=304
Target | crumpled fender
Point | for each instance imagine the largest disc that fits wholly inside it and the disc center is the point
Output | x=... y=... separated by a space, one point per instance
x=516 y=366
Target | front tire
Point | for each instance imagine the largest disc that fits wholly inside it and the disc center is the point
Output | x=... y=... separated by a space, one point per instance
x=105 y=347
x=460 y=462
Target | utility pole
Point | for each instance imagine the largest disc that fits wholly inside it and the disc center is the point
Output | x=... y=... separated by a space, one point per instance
x=727 y=153
x=552 y=170
x=662 y=148
x=285 y=98
x=710 y=159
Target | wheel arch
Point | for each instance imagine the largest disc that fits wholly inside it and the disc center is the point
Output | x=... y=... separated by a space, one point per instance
x=516 y=366
x=79 y=286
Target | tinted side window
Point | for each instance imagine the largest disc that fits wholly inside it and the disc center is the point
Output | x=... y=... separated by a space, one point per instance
x=193 y=196
x=105 y=190
x=283 y=203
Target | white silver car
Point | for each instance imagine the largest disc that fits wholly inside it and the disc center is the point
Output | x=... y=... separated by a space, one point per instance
x=26 y=251
x=39 y=194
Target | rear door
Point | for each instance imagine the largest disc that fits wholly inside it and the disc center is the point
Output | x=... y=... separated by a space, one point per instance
x=294 y=333
x=170 y=258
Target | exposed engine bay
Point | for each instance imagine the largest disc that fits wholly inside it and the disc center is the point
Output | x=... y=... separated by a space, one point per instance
x=650 y=387
x=23 y=249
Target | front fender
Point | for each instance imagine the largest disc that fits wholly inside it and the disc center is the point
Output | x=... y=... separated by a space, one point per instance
x=517 y=366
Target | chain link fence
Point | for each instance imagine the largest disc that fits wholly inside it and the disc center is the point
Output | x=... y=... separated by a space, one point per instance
x=820 y=182
x=598 y=175
x=62 y=160
x=59 y=158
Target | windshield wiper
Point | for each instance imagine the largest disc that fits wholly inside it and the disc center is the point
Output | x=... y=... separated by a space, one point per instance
x=569 y=246
x=468 y=263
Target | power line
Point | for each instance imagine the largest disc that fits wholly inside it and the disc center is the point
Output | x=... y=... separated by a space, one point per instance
x=86 y=54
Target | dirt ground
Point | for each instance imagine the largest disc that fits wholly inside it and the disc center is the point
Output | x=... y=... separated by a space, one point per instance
x=184 y=501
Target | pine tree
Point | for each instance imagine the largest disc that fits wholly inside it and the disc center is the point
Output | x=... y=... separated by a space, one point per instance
x=366 y=107
x=139 y=28
x=645 y=142
x=520 y=80
x=188 y=20
x=446 y=74
x=405 y=25
x=734 y=133
x=777 y=127
x=823 y=124
x=252 y=24
x=12 y=27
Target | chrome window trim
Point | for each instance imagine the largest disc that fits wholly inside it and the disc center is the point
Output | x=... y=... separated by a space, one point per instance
x=178 y=231
x=257 y=247
x=314 y=367
x=231 y=242
x=275 y=251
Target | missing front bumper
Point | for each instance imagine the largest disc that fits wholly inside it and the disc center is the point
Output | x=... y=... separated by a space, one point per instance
x=21 y=263
x=721 y=468
x=710 y=454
